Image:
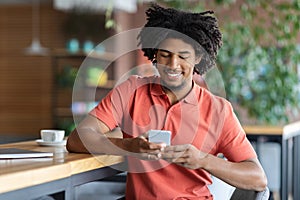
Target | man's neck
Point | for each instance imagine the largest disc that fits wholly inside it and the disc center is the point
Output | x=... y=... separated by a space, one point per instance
x=175 y=96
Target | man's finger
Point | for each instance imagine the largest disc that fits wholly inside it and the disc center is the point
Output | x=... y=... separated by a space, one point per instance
x=160 y=146
x=177 y=148
x=173 y=155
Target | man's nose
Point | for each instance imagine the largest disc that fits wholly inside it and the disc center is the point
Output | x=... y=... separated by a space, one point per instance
x=174 y=62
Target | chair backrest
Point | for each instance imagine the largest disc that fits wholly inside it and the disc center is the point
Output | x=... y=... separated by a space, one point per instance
x=263 y=195
x=199 y=80
x=250 y=194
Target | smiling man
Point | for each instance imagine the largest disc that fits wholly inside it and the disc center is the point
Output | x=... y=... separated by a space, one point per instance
x=175 y=64
x=202 y=125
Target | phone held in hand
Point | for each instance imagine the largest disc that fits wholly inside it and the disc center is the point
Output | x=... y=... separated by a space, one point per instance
x=160 y=136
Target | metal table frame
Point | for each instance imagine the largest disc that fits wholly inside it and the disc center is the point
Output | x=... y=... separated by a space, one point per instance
x=291 y=162
x=66 y=185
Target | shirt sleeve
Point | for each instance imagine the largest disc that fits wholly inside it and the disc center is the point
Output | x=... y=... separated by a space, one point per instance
x=233 y=142
x=111 y=108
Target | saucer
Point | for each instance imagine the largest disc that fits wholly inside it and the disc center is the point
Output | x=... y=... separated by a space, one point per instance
x=52 y=144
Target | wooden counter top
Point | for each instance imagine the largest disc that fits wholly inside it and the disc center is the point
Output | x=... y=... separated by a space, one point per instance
x=263 y=130
x=20 y=173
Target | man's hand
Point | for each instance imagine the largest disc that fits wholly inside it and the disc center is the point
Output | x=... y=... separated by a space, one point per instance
x=185 y=155
x=143 y=149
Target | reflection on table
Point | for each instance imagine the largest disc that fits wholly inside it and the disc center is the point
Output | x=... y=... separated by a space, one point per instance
x=33 y=177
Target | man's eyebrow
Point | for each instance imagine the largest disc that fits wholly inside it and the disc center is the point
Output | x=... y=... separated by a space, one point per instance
x=180 y=52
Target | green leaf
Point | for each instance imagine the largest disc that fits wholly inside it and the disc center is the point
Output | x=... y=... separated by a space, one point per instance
x=109 y=24
x=258 y=58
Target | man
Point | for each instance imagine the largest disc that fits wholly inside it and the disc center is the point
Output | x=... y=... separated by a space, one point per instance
x=202 y=125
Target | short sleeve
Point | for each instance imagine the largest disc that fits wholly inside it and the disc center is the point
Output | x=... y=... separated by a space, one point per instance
x=111 y=108
x=233 y=142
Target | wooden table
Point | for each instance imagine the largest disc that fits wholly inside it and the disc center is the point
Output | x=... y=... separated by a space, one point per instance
x=34 y=177
x=263 y=130
x=288 y=137
x=260 y=135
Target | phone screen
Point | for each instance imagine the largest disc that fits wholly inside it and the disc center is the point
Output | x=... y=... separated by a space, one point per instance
x=160 y=136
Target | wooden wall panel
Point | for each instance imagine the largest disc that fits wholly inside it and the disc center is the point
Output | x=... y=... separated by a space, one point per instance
x=26 y=81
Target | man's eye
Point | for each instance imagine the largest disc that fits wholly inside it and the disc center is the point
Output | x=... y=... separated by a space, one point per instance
x=164 y=55
x=183 y=57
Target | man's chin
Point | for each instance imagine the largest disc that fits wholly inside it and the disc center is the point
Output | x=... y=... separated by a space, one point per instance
x=172 y=87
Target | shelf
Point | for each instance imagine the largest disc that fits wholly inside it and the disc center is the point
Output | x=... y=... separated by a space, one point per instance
x=66 y=112
x=109 y=85
x=63 y=53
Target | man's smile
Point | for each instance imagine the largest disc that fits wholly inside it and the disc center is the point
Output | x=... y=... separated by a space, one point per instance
x=173 y=74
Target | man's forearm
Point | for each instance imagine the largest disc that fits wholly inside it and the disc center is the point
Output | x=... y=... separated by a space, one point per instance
x=245 y=175
x=88 y=141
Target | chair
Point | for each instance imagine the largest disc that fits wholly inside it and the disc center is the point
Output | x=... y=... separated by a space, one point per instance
x=240 y=194
x=223 y=191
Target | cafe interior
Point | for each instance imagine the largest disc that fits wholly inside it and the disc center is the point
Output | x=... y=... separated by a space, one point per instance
x=59 y=58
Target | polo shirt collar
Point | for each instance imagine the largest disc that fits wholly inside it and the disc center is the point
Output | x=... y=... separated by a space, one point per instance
x=156 y=88
x=191 y=98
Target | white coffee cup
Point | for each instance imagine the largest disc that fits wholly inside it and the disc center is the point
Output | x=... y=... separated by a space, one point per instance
x=52 y=135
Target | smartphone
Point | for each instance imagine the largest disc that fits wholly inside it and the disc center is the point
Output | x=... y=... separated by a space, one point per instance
x=160 y=136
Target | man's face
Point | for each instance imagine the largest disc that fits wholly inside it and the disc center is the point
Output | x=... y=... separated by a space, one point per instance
x=175 y=63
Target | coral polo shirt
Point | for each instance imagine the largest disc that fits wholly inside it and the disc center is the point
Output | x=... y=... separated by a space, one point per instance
x=202 y=119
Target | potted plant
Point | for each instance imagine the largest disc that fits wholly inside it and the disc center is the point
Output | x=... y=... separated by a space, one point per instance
x=259 y=57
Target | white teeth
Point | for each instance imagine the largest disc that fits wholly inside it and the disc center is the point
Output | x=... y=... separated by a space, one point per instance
x=174 y=75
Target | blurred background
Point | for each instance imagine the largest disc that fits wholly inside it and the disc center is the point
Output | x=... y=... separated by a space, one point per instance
x=44 y=42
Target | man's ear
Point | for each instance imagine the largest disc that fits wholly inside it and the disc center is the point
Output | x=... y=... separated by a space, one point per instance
x=198 y=59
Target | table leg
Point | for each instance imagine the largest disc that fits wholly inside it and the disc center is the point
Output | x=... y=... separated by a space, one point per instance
x=296 y=176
